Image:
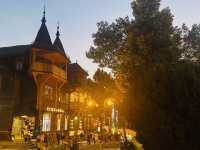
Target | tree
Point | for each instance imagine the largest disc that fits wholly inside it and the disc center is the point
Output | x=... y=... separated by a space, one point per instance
x=102 y=86
x=108 y=40
x=191 y=42
x=158 y=86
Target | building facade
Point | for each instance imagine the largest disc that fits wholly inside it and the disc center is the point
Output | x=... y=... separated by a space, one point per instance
x=34 y=87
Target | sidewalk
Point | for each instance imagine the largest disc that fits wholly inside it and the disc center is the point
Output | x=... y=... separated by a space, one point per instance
x=18 y=145
x=105 y=146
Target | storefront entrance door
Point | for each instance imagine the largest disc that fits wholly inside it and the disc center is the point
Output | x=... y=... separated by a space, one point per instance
x=23 y=126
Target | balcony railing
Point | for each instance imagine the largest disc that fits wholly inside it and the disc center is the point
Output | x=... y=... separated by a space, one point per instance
x=76 y=105
x=49 y=68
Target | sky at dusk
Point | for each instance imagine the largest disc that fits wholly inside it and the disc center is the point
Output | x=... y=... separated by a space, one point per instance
x=21 y=19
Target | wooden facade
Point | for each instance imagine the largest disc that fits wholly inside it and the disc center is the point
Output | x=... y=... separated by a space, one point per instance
x=35 y=85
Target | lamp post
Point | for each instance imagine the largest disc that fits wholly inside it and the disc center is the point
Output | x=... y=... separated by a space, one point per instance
x=107 y=111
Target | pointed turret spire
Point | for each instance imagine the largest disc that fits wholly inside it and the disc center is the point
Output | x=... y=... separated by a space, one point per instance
x=58 y=33
x=57 y=43
x=44 y=13
x=43 y=38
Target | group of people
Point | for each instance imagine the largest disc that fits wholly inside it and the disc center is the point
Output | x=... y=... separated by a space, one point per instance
x=93 y=138
x=46 y=140
x=27 y=131
x=42 y=141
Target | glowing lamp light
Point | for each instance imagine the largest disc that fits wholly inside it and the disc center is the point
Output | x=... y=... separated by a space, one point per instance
x=109 y=102
x=75 y=118
x=24 y=116
x=89 y=103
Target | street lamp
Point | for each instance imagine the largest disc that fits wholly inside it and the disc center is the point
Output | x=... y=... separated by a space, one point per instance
x=90 y=103
x=109 y=103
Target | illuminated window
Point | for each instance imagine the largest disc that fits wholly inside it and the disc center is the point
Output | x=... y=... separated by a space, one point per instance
x=46 y=122
x=66 y=98
x=80 y=124
x=59 y=96
x=74 y=97
x=71 y=125
x=66 y=123
x=48 y=92
x=58 y=122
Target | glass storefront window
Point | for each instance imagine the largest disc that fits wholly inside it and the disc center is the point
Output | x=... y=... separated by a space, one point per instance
x=46 y=122
x=66 y=123
x=58 y=122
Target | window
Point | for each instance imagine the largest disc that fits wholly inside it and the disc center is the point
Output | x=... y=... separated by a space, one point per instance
x=46 y=126
x=58 y=122
x=74 y=97
x=59 y=97
x=66 y=122
x=66 y=98
x=19 y=65
x=48 y=92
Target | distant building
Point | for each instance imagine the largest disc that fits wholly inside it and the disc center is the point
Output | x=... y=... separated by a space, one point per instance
x=35 y=86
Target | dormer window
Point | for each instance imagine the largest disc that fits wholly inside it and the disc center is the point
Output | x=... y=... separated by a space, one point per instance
x=48 y=92
x=19 y=65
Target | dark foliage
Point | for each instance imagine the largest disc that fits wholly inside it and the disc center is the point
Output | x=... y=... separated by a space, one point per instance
x=161 y=91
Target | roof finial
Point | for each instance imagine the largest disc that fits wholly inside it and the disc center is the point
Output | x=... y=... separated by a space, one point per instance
x=44 y=13
x=58 y=27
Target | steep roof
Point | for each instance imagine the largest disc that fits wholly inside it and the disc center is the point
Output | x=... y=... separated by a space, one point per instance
x=57 y=43
x=42 y=41
x=75 y=68
x=14 y=50
x=43 y=38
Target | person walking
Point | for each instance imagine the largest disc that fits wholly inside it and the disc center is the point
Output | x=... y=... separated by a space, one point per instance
x=42 y=146
x=58 y=136
x=93 y=139
x=46 y=141
x=88 y=139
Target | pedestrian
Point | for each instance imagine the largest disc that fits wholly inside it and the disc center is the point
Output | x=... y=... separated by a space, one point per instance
x=88 y=139
x=42 y=146
x=46 y=141
x=38 y=142
x=58 y=137
x=93 y=138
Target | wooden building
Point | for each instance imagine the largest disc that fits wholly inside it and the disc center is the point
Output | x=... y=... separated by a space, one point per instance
x=83 y=109
x=34 y=86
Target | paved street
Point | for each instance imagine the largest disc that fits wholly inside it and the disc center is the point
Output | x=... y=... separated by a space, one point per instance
x=21 y=146
x=14 y=146
x=108 y=146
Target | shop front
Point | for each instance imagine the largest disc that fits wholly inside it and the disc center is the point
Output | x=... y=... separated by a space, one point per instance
x=23 y=126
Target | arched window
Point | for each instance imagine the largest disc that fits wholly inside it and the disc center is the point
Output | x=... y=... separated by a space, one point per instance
x=46 y=126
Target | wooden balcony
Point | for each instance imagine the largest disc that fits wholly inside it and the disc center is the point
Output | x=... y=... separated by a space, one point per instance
x=49 y=68
x=76 y=106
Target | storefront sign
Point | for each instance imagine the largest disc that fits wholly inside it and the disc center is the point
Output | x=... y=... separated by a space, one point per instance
x=50 y=109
